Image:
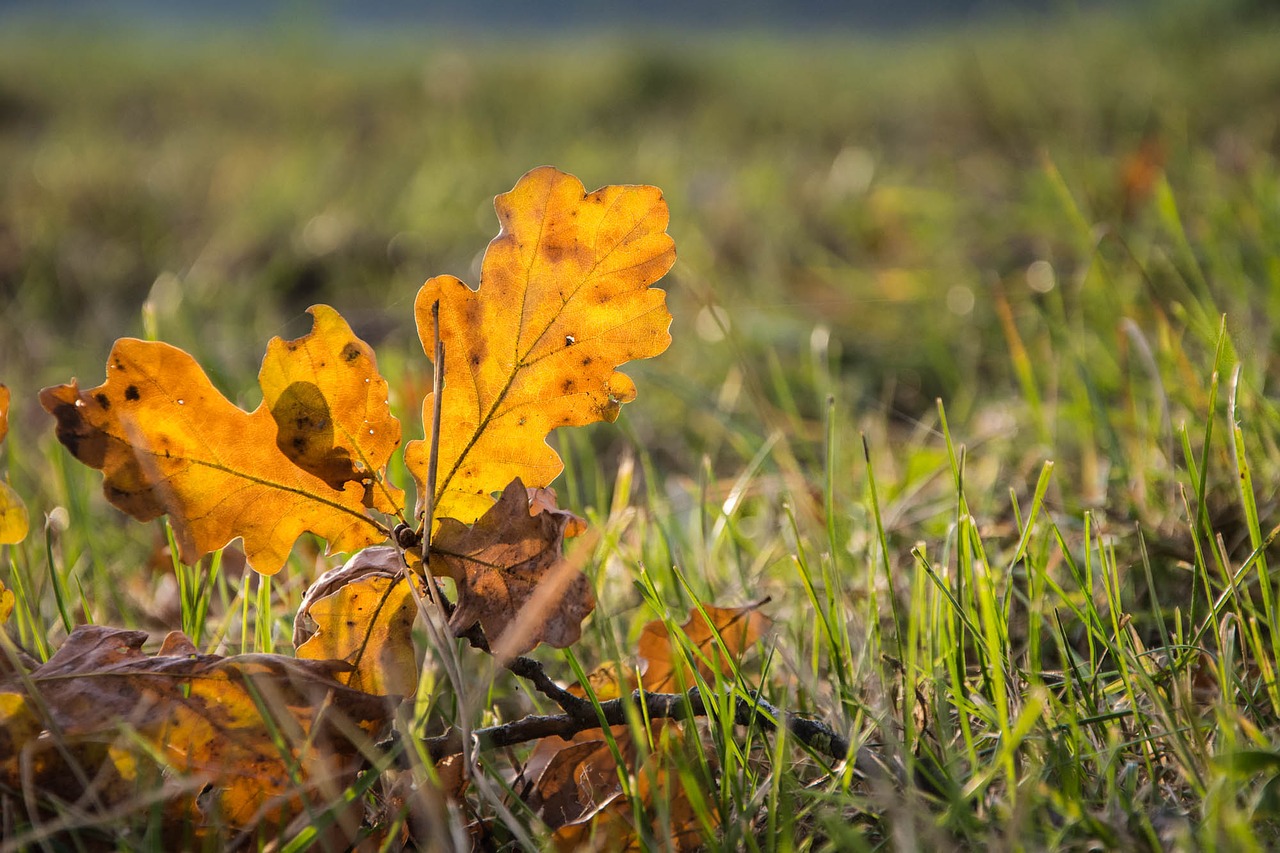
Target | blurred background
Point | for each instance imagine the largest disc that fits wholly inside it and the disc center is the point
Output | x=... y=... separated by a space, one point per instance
x=887 y=203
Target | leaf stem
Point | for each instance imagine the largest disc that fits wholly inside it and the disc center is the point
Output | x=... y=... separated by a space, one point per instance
x=433 y=459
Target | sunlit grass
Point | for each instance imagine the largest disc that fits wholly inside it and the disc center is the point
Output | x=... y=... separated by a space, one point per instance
x=997 y=445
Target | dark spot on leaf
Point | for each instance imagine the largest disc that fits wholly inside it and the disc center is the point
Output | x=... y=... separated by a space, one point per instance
x=475 y=361
x=521 y=422
x=586 y=361
x=299 y=443
x=567 y=386
x=131 y=393
x=103 y=400
x=350 y=352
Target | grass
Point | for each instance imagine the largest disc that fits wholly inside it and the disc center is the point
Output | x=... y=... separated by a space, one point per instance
x=992 y=425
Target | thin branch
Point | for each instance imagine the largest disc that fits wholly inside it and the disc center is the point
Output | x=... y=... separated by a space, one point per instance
x=813 y=733
x=433 y=458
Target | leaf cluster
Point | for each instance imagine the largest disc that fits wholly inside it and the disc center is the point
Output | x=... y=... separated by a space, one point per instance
x=255 y=741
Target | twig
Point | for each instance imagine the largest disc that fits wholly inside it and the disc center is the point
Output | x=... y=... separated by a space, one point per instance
x=813 y=733
x=433 y=458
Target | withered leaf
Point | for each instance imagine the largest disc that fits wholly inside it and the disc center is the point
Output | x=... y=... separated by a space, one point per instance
x=573 y=784
x=168 y=442
x=564 y=298
x=14 y=523
x=666 y=669
x=208 y=720
x=363 y=614
x=330 y=405
x=511 y=576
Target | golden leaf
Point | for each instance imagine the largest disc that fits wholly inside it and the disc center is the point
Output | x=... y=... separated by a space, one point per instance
x=14 y=523
x=265 y=733
x=564 y=299
x=7 y=600
x=511 y=576
x=168 y=442
x=363 y=614
x=330 y=405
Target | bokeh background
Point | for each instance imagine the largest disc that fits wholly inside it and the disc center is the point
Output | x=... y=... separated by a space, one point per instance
x=864 y=204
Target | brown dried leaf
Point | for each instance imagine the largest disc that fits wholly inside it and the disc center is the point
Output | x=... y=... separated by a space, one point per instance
x=511 y=576
x=102 y=710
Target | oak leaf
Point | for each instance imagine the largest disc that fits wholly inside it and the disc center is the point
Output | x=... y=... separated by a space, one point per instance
x=738 y=628
x=564 y=298
x=573 y=784
x=363 y=613
x=267 y=734
x=168 y=442
x=7 y=600
x=511 y=575
x=330 y=405
x=14 y=523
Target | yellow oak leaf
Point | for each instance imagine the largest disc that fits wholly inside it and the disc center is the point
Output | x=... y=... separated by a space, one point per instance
x=564 y=298
x=168 y=442
x=511 y=576
x=363 y=613
x=330 y=405
x=14 y=523
x=7 y=600
x=264 y=734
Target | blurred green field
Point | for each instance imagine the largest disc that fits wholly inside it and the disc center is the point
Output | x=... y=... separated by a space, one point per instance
x=1041 y=225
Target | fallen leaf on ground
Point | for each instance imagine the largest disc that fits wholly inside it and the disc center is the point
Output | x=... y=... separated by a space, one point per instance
x=738 y=627
x=264 y=733
x=564 y=298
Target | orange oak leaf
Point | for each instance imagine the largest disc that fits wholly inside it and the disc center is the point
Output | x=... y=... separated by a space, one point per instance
x=363 y=613
x=330 y=405
x=573 y=784
x=666 y=669
x=564 y=298
x=264 y=734
x=511 y=576
x=13 y=512
x=168 y=442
